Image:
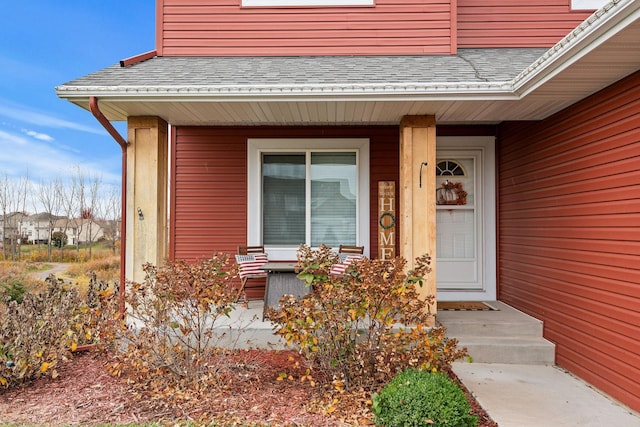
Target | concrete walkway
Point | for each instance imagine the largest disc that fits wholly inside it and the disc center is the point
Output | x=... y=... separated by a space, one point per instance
x=56 y=269
x=539 y=395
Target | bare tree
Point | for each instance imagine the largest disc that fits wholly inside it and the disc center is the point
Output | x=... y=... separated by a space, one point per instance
x=79 y=182
x=4 y=210
x=69 y=206
x=13 y=203
x=49 y=197
x=21 y=189
x=111 y=214
x=86 y=201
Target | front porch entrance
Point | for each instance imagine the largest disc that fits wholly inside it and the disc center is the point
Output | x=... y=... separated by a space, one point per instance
x=465 y=219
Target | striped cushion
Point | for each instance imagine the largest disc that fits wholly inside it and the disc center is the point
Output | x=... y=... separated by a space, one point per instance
x=344 y=261
x=251 y=265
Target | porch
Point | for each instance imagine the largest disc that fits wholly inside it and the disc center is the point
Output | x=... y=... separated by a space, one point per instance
x=504 y=335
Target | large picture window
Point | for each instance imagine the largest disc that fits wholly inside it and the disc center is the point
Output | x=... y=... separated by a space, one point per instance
x=307 y=191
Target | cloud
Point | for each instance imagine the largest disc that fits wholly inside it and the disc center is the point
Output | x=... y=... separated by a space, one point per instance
x=8 y=139
x=21 y=156
x=27 y=115
x=38 y=135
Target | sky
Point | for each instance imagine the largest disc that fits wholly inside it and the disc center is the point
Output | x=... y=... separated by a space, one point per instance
x=44 y=44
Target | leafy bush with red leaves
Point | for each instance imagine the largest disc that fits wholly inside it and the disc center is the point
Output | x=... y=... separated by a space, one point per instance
x=361 y=328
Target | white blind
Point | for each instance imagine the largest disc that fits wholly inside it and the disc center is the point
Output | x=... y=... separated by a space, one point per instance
x=328 y=214
x=283 y=199
x=333 y=198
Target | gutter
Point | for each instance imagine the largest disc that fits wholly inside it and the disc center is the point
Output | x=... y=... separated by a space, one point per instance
x=95 y=110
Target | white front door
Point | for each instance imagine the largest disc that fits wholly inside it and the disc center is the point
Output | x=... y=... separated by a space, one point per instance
x=465 y=219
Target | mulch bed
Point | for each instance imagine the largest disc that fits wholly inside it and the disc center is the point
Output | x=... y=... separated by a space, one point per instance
x=85 y=393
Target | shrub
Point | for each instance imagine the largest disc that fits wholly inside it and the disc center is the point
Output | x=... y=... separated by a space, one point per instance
x=14 y=290
x=421 y=398
x=15 y=280
x=361 y=328
x=170 y=342
x=42 y=331
x=58 y=239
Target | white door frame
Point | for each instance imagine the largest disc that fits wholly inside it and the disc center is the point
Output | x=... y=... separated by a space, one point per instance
x=486 y=290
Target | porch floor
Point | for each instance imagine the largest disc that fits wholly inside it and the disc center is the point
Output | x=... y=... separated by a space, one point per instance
x=515 y=395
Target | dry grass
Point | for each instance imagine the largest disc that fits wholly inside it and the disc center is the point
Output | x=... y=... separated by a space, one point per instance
x=104 y=264
x=107 y=268
x=12 y=273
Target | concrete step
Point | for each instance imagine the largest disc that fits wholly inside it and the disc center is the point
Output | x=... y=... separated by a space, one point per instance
x=493 y=328
x=520 y=351
x=506 y=321
x=505 y=335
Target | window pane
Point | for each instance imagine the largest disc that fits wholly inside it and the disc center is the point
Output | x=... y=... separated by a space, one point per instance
x=456 y=228
x=333 y=199
x=283 y=206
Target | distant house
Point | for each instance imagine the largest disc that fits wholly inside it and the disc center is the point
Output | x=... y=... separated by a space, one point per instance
x=79 y=230
x=11 y=226
x=38 y=227
x=507 y=135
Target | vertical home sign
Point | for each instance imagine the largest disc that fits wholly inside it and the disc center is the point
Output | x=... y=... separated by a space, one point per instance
x=386 y=219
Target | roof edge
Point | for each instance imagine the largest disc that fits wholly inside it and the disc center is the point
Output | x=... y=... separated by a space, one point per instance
x=294 y=90
x=591 y=33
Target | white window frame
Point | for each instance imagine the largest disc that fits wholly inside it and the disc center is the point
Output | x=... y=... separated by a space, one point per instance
x=269 y=3
x=257 y=146
x=587 y=4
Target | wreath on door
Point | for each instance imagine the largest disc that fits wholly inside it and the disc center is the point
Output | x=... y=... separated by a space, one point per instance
x=451 y=193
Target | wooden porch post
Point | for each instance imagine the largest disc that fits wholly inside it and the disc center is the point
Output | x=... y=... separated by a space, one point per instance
x=147 y=172
x=417 y=194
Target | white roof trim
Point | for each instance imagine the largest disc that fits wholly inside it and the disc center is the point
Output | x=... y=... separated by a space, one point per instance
x=448 y=90
x=583 y=39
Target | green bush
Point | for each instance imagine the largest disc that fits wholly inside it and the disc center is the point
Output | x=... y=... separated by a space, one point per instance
x=58 y=239
x=361 y=328
x=15 y=282
x=14 y=290
x=422 y=398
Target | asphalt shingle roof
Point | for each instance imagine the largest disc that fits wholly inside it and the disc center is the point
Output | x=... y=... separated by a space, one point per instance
x=468 y=66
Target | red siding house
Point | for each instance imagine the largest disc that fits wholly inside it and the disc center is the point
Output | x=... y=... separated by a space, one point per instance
x=502 y=138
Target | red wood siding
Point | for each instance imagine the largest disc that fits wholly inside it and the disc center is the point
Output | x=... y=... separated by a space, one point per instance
x=505 y=23
x=219 y=28
x=209 y=192
x=569 y=233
